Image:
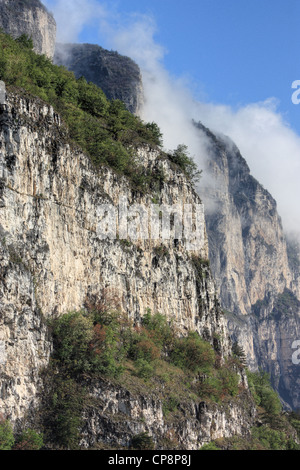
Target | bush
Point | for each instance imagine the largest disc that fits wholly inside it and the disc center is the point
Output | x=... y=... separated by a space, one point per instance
x=219 y=384
x=229 y=381
x=63 y=410
x=210 y=446
x=270 y=439
x=193 y=353
x=82 y=346
x=6 y=435
x=29 y=440
x=264 y=394
x=142 y=442
x=73 y=334
x=160 y=330
x=181 y=158
x=170 y=405
x=144 y=369
x=105 y=130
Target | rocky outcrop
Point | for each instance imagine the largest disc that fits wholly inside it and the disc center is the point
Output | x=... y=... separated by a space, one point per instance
x=251 y=265
x=118 y=76
x=53 y=257
x=29 y=17
x=117 y=415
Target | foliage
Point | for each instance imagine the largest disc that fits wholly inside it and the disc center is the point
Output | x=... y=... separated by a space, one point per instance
x=142 y=442
x=81 y=345
x=294 y=419
x=285 y=303
x=144 y=369
x=7 y=439
x=239 y=353
x=263 y=393
x=219 y=384
x=180 y=156
x=62 y=409
x=29 y=440
x=101 y=342
x=72 y=335
x=209 y=446
x=270 y=439
x=170 y=404
x=162 y=332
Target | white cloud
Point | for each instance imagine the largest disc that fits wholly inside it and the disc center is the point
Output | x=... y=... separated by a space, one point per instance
x=73 y=15
x=270 y=147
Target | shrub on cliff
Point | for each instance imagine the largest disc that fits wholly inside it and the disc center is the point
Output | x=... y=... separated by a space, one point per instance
x=180 y=156
x=263 y=393
x=193 y=353
x=84 y=347
x=29 y=440
x=7 y=439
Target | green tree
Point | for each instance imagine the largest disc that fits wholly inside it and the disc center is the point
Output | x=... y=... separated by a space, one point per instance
x=209 y=446
x=29 y=440
x=270 y=439
x=142 y=442
x=62 y=410
x=182 y=158
x=73 y=333
x=239 y=353
x=6 y=435
x=193 y=353
x=25 y=41
x=264 y=394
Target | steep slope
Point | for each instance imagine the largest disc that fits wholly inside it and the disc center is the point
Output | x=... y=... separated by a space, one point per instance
x=250 y=263
x=118 y=76
x=53 y=259
x=29 y=17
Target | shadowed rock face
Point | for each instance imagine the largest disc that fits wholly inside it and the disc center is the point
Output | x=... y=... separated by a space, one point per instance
x=118 y=76
x=29 y=17
x=251 y=263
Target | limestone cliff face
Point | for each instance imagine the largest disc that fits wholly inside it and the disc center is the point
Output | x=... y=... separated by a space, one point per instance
x=118 y=76
x=52 y=257
x=29 y=17
x=119 y=415
x=251 y=266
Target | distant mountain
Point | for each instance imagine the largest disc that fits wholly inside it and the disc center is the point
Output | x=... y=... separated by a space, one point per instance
x=118 y=76
x=256 y=270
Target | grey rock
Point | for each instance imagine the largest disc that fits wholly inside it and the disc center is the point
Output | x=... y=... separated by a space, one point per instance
x=118 y=76
x=251 y=264
x=29 y=17
x=52 y=261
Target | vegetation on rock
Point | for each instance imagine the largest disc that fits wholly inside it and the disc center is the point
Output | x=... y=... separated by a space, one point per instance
x=101 y=342
x=104 y=129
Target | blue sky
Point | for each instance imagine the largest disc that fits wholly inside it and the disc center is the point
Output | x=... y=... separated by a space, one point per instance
x=233 y=51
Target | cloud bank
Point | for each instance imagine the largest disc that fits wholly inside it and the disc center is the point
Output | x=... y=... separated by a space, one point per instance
x=270 y=147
